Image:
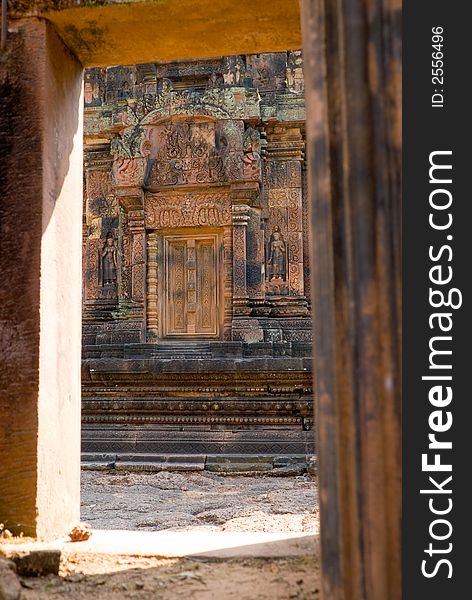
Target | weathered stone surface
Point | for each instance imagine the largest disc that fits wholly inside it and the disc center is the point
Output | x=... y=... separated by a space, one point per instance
x=111 y=32
x=10 y=586
x=194 y=258
x=40 y=220
x=239 y=467
x=30 y=562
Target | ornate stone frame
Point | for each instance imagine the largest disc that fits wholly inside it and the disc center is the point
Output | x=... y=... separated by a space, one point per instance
x=221 y=227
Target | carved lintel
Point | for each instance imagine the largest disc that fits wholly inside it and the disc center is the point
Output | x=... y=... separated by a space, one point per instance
x=189 y=209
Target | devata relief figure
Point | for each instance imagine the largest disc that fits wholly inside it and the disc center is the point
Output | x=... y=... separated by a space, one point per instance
x=277 y=255
x=109 y=261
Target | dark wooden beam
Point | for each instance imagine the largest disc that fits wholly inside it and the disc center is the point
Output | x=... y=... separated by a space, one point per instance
x=352 y=72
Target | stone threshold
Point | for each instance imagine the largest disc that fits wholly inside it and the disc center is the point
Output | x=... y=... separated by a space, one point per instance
x=230 y=464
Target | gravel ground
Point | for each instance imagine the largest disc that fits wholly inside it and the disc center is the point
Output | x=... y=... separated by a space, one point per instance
x=176 y=501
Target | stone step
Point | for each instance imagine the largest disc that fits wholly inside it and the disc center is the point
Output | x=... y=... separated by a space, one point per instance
x=275 y=465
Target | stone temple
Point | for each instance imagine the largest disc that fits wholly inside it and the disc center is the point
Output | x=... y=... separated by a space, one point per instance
x=197 y=323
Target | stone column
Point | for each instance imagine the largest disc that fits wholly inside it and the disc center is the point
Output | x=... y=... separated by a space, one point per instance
x=248 y=260
x=41 y=159
x=285 y=152
x=152 y=316
x=138 y=241
x=240 y=297
x=101 y=216
x=133 y=271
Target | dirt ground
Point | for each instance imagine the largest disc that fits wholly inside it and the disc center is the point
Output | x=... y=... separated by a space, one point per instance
x=173 y=579
x=175 y=501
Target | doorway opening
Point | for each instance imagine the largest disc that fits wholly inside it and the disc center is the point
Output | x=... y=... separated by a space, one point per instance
x=197 y=387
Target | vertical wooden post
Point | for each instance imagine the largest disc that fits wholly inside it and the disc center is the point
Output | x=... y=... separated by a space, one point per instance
x=352 y=69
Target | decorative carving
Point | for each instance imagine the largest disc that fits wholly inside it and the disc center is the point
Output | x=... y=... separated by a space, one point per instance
x=176 y=261
x=234 y=70
x=92 y=261
x=128 y=166
x=125 y=288
x=252 y=153
x=108 y=262
x=151 y=288
x=187 y=210
x=277 y=260
x=94 y=86
x=206 y=286
x=103 y=206
x=214 y=101
x=295 y=80
x=240 y=220
x=98 y=184
x=194 y=153
x=119 y=83
x=283 y=174
x=267 y=71
x=138 y=268
x=215 y=82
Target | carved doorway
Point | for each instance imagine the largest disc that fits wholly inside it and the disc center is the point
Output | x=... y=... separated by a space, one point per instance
x=191 y=298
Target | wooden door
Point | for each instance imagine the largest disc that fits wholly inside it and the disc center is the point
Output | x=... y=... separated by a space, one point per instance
x=191 y=286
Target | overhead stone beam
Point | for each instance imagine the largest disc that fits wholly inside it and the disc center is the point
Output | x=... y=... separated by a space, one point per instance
x=112 y=32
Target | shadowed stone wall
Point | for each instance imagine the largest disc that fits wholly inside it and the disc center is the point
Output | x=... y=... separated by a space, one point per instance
x=40 y=197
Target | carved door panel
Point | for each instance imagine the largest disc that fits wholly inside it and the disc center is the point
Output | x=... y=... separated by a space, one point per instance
x=192 y=280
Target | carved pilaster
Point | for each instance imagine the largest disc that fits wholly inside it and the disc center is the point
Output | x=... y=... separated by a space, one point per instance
x=284 y=226
x=248 y=255
x=151 y=288
x=101 y=212
x=228 y=282
x=138 y=240
x=240 y=295
x=133 y=270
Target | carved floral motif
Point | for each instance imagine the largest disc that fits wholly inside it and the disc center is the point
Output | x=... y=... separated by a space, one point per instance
x=252 y=153
x=187 y=210
x=98 y=184
x=193 y=153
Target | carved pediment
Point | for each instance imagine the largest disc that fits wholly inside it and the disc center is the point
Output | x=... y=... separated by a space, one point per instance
x=194 y=153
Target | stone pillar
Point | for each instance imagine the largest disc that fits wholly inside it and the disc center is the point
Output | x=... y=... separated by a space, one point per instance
x=152 y=316
x=248 y=248
x=132 y=265
x=248 y=261
x=40 y=285
x=285 y=152
x=240 y=297
x=101 y=217
x=138 y=241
